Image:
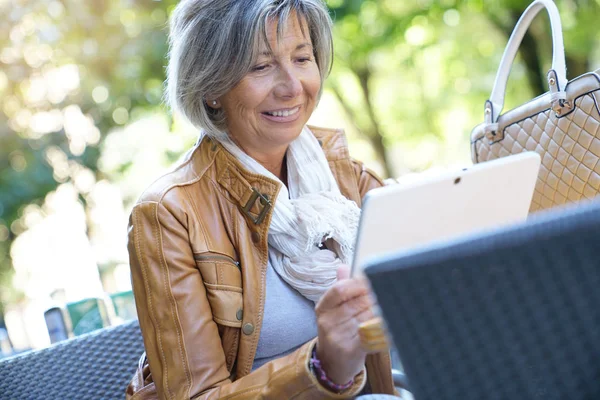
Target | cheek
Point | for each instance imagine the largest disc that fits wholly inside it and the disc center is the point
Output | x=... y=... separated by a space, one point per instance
x=252 y=94
x=314 y=83
x=316 y=87
x=244 y=99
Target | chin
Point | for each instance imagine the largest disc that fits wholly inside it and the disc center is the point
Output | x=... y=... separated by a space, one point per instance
x=288 y=135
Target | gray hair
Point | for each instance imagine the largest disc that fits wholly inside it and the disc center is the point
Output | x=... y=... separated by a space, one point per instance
x=213 y=43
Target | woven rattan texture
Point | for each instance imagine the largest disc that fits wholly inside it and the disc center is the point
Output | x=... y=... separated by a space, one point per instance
x=95 y=366
x=508 y=316
x=569 y=146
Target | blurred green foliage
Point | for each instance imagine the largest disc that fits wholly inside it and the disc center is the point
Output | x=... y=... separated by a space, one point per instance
x=405 y=68
x=98 y=63
x=405 y=73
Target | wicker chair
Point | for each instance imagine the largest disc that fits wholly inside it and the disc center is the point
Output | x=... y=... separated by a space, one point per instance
x=94 y=366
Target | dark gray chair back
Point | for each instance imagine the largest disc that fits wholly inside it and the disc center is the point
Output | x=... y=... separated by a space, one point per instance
x=97 y=365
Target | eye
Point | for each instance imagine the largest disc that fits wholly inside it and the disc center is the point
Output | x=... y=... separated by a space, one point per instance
x=304 y=60
x=260 y=67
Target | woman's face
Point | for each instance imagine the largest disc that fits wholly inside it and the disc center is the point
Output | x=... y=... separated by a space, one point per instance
x=269 y=107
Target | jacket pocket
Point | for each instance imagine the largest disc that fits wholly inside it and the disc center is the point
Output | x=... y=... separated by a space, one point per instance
x=230 y=338
x=223 y=281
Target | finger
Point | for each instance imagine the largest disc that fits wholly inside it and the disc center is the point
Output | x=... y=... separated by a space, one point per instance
x=346 y=318
x=353 y=307
x=364 y=315
x=352 y=310
x=341 y=292
x=348 y=329
x=343 y=272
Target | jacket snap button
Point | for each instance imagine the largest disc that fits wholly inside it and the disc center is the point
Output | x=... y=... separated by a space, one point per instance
x=239 y=314
x=255 y=237
x=248 y=329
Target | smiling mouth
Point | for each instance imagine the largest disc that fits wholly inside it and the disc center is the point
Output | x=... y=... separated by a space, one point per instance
x=283 y=113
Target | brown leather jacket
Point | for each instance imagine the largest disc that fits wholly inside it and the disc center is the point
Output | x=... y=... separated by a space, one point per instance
x=198 y=252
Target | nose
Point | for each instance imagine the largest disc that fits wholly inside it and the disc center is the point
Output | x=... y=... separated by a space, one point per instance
x=289 y=84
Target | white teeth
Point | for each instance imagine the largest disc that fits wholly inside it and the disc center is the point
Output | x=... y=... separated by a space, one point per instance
x=285 y=113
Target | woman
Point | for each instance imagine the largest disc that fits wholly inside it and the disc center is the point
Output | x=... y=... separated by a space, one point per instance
x=237 y=254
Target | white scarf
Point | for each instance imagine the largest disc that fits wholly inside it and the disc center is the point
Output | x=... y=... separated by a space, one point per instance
x=311 y=212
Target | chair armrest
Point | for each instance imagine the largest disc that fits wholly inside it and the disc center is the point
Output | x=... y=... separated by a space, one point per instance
x=400 y=380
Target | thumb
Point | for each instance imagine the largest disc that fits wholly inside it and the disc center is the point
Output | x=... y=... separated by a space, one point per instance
x=343 y=272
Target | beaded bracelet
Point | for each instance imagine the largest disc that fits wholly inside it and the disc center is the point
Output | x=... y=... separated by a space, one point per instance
x=315 y=365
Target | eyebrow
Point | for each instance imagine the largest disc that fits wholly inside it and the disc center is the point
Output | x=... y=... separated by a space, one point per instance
x=299 y=47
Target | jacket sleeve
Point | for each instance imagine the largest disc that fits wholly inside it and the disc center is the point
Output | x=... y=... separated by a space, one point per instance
x=366 y=178
x=182 y=341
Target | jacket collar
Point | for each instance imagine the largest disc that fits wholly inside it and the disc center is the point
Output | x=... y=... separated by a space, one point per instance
x=252 y=192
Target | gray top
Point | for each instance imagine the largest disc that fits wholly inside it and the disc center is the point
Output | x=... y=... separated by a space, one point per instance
x=289 y=320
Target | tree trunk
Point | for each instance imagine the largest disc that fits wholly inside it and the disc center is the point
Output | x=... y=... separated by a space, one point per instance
x=375 y=135
x=535 y=75
x=528 y=51
x=577 y=67
x=371 y=132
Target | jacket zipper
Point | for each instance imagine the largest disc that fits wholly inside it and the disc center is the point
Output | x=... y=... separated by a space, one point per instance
x=215 y=257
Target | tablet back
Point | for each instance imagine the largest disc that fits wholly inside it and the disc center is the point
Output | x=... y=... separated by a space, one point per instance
x=446 y=205
x=508 y=315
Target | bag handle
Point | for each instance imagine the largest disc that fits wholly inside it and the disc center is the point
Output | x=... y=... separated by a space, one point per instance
x=557 y=76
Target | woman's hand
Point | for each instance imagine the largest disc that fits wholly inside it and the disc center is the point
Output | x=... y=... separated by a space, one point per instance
x=339 y=313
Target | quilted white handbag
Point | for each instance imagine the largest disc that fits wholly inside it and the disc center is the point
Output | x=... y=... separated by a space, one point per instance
x=562 y=125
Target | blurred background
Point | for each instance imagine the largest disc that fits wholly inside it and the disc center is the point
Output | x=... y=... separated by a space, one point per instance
x=83 y=130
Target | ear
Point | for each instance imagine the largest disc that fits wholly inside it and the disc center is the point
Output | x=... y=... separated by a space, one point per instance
x=215 y=104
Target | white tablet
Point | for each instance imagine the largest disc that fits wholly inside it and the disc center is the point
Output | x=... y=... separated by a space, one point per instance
x=446 y=206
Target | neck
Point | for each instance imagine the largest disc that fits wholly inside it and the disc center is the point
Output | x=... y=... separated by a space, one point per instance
x=273 y=160
x=277 y=167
